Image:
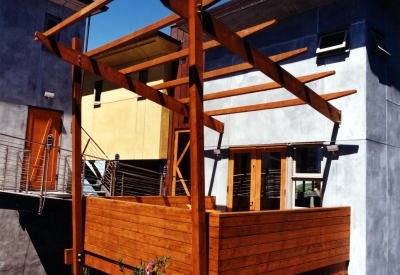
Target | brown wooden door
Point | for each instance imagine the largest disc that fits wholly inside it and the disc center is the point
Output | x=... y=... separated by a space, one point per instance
x=42 y=164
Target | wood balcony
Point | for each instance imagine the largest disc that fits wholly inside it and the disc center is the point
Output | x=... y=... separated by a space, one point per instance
x=301 y=241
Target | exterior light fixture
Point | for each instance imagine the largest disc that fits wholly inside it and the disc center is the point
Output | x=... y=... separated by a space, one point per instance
x=116 y=159
x=48 y=95
x=49 y=142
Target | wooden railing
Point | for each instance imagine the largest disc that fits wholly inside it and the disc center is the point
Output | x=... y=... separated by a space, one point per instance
x=131 y=231
x=278 y=242
x=264 y=242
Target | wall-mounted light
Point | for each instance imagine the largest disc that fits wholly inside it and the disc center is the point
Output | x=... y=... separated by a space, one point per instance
x=334 y=148
x=217 y=152
x=49 y=142
x=48 y=95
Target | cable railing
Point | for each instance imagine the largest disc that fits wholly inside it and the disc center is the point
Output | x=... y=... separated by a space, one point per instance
x=37 y=169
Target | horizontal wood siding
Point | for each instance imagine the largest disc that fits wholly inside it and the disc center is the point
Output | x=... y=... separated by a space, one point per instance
x=278 y=242
x=173 y=201
x=116 y=229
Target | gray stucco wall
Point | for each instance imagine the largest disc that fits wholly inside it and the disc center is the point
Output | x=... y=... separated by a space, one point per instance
x=362 y=175
x=383 y=158
x=32 y=244
x=27 y=70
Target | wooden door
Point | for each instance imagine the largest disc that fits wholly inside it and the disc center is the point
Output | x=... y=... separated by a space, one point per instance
x=257 y=179
x=42 y=163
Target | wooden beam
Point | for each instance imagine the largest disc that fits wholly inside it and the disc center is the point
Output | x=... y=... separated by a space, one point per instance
x=276 y=104
x=77 y=209
x=130 y=38
x=220 y=32
x=106 y=72
x=196 y=69
x=262 y=87
x=85 y=12
x=225 y=71
x=68 y=256
x=185 y=52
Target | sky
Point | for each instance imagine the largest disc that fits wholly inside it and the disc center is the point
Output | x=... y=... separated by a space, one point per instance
x=124 y=17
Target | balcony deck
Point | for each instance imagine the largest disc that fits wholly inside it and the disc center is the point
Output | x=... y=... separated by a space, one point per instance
x=265 y=242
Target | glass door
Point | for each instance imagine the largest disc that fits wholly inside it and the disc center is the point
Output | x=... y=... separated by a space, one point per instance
x=270 y=177
x=257 y=179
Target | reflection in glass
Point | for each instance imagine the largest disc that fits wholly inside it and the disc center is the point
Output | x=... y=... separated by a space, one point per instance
x=270 y=180
x=308 y=193
x=241 y=182
x=308 y=160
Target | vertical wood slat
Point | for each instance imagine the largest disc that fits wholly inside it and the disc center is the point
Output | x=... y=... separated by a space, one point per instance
x=77 y=223
x=196 y=113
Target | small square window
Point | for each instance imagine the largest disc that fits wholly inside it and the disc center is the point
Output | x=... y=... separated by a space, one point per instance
x=308 y=193
x=379 y=44
x=334 y=42
x=144 y=76
x=50 y=22
x=98 y=88
x=308 y=162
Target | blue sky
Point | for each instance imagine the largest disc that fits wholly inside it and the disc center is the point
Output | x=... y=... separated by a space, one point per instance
x=124 y=17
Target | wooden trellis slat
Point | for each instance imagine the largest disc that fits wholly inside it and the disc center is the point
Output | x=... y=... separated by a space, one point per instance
x=276 y=104
x=229 y=39
x=108 y=73
x=263 y=87
x=225 y=71
x=185 y=52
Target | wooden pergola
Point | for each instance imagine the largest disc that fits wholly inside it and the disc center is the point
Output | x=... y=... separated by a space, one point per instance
x=199 y=21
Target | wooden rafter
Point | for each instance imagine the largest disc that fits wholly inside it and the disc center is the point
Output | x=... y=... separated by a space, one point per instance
x=185 y=52
x=246 y=66
x=106 y=72
x=85 y=12
x=260 y=87
x=276 y=104
x=220 y=32
x=227 y=70
x=132 y=37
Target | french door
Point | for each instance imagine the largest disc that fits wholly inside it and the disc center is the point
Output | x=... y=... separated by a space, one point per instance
x=257 y=179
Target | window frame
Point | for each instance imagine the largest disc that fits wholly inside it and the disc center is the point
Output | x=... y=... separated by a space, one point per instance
x=48 y=16
x=97 y=91
x=381 y=51
x=296 y=175
x=335 y=48
x=307 y=176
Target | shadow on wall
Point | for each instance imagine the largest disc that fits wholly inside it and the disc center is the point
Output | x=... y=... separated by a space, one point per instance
x=49 y=233
x=344 y=150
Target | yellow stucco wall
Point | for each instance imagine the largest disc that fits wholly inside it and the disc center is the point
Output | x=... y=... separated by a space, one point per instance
x=135 y=129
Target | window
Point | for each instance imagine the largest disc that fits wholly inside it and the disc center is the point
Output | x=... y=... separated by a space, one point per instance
x=308 y=168
x=51 y=21
x=144 y=76
x=257 y=179
x=308 y=161
x=98 y=88
x=333 y=42
x=379 y=44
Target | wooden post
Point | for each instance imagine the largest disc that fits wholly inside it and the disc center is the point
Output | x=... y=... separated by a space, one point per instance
x=199 y=259
x=77 y=237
